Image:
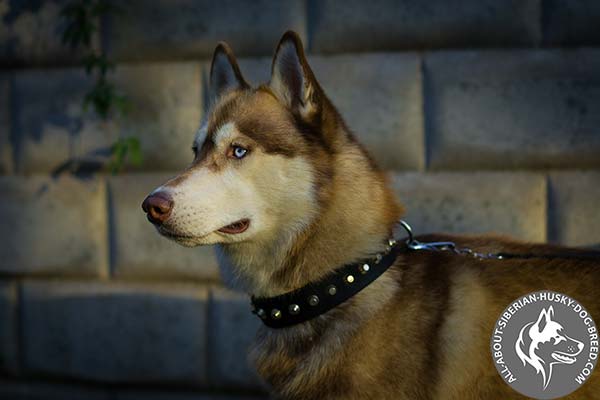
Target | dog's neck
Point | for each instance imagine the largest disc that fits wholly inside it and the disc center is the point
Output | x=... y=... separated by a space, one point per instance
x=354 y=223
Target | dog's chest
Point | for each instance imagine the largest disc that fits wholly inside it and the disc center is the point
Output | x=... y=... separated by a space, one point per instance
x=302 y=367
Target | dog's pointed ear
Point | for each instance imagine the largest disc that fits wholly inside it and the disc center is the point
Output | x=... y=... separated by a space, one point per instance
x=543 y=319
x=225 y=74
x=292 y=79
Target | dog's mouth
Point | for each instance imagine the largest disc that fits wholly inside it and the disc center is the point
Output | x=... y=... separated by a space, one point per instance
x=236 y=228
x=165 y=232
x=563 y=358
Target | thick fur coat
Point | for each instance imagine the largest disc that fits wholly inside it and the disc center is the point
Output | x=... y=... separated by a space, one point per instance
x=287 y=194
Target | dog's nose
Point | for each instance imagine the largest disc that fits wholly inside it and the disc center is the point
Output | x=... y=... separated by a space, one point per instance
x=158 y=207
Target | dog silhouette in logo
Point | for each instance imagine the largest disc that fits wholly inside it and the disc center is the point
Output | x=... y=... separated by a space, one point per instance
x=543 y=343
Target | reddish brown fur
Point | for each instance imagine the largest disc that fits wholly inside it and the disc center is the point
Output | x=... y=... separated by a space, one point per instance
x=420 y=331
x=400 y=351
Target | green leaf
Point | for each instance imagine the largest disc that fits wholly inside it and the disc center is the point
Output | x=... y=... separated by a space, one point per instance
x=80 y=19
x=135 y=152
x=80 y=24
x=102 y=97
x=119 y=151
x=121 y=104
x=125 y=149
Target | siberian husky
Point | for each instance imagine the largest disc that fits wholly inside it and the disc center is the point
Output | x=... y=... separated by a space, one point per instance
x=287 y=194
x=543 y=344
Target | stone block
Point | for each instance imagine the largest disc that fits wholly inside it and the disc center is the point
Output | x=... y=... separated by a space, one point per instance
x=571 y=23
x=53 y=226
x=51 y=127
x=115 y=332
x=513 y=109
x=139 y=250
x=483 y=202
x=377 y=25
x=233 y=329
x=574 y=202
x=379 y=96
x=31 y=33
x=183 y=29
x=9 y=342
x=165 y=107
x=163 y=112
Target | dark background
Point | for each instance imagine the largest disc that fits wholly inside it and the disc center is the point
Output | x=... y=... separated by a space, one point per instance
x=486 y=112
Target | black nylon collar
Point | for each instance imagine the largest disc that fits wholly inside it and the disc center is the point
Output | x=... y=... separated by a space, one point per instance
x=317 y=298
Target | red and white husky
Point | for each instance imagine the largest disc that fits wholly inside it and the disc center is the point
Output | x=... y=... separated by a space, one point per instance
x=282 y=187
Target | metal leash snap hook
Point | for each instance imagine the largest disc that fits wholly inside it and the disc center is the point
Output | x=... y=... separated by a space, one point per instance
x=414 y=244
x=411 y=242
x=408 y=230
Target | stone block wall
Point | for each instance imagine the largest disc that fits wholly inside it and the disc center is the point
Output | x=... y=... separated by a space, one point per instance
x=485 y=113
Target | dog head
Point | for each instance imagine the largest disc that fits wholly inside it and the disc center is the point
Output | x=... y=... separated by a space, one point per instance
x=261 y=156
x=544 y=343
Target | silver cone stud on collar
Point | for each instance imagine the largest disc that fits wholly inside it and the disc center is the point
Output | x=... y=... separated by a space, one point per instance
x=313 y=300
x=261 y=313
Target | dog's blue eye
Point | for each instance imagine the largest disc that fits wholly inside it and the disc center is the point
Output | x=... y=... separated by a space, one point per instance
x=239 y=152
